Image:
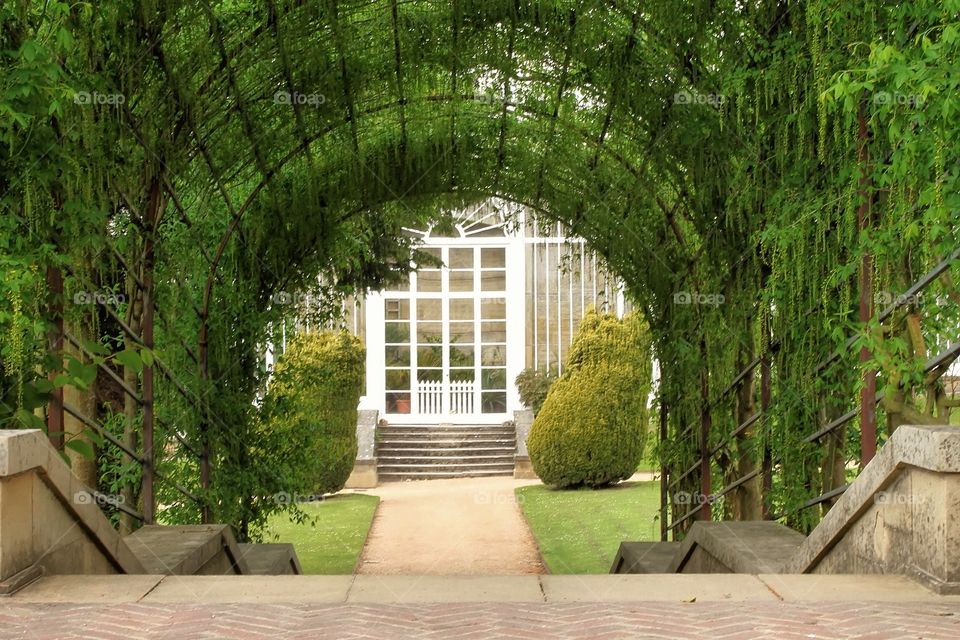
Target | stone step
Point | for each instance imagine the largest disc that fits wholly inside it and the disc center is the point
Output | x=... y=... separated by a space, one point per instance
x=430 y=462
x=444 y=451
x=388 y=476
x=446 y=442
x=645 y=557
x=270 y=559
x=444 y=465
x=445 y=435
x=187 y=550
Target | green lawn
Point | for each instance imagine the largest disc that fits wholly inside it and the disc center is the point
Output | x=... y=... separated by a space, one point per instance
x=580 y=530
x=333 y=544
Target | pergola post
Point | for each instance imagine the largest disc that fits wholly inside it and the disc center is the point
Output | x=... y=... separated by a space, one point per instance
x=868 y=392
x=55 y=345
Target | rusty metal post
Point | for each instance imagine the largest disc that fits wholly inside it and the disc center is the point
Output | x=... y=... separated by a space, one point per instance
x=664 y=475
x=202 y=355
x=55 y=345
x=147 y=490
x=767 y=464
x=868 y=392
x=706 y=421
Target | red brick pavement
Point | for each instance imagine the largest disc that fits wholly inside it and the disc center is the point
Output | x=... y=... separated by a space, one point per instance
x=483 y=621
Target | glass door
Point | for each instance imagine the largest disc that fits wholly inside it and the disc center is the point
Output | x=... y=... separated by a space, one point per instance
x=445 y=347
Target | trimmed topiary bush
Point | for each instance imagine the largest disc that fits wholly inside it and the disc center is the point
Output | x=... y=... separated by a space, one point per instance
x=310 y=409
x=593 y=423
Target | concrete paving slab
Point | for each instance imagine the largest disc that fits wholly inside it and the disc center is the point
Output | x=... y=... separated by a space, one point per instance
x=393 y=589
x=655 y=587
x=849 y=588
x=102 y=589
x=251 y=589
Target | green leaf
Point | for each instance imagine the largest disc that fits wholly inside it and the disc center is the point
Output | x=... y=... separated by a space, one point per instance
x=130 y=359
x=82 y=447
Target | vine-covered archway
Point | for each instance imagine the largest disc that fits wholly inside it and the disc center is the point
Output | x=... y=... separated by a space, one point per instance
x=755 y=181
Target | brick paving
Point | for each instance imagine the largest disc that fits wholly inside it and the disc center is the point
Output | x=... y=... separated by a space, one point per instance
x=482 y=621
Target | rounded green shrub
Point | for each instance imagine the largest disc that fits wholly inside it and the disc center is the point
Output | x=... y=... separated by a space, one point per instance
x=310 y=410
x=593 y=423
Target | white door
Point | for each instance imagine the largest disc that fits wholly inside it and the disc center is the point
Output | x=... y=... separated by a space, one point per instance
x=445 y=338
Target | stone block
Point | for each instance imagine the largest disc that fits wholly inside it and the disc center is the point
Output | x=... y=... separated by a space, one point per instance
x=363 y=476
x=523 y=421
x=523 y=469
x=366 y=433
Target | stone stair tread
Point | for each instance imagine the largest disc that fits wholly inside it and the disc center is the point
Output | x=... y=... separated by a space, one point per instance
x=758 y=546
x=644 y=557
x=406 y=450
x=270 y=559
x=182 y=549
x=402 y=458
x=426 y=475
x=447 y=464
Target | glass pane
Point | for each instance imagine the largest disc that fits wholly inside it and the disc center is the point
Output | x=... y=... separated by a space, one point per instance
x=461 y=281
x=461 y=357
x=493 y=280
x=493 y=402
x=429 y=375
x=432 y=251
x=461 y=259
x=429 y=357
x=493 y=332
x=398 y=379
x=493 y=356
x=493 y=258
x=397 y=356
x=461 y=309
x=429 y=332
x=462 y=375
x=402 y=285
x=396 y=309
x=493 y=308
x=461 y=333
x=398 y=402
x=493 y=379
x=397 y=332
x=428 y=309
x=428 y=280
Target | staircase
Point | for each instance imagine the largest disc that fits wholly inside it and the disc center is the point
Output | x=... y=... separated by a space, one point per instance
x=415 y=452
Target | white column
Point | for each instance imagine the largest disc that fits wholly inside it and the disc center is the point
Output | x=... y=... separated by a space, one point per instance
x=375 y=337
x=516 y=317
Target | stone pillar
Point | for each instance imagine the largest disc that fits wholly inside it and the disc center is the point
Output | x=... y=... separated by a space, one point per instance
x=364 y=475
x=522 y=469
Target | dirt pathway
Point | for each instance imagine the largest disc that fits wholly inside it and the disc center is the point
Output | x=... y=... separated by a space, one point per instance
x=468 y=526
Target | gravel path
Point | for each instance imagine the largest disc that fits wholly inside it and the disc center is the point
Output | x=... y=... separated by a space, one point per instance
x=464 y=526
